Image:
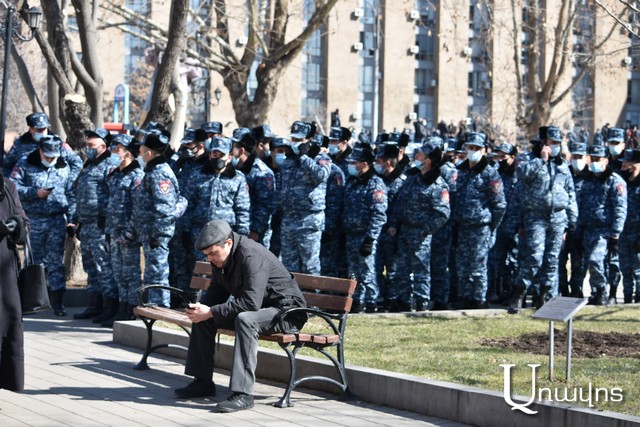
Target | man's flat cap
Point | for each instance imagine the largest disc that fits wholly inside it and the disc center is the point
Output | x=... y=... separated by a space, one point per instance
x=213 y=232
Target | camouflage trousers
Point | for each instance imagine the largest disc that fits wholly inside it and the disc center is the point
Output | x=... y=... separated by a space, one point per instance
x=47 y=243
x=472 y=256
x=386 y=261
x=300 y=243
x=181 y=259
x=413 y=269
x=125 y=264
x=96 y=260
x=594 y=246
x=156 y=270
x=630 y=262
x=440 y=273
x=363 y=268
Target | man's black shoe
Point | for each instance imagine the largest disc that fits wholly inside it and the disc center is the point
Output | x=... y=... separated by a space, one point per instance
x=357 y=307
x=439 y=306
x=199 y=387
x=421 y=305
x=237 y=402
x=370 y=308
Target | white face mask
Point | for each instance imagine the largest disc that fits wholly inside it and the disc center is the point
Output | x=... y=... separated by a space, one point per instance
x=474 y=156
x=555 y=149
x=616 y=149
x=49 y=164
x=596 y=167
x=578 y=164
x=38 y=136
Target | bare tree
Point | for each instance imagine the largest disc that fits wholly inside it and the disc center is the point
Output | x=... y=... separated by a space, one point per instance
x=269 y=45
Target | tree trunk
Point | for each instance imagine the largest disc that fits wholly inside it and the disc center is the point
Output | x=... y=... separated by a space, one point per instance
x=76 y=115
x=74 y=271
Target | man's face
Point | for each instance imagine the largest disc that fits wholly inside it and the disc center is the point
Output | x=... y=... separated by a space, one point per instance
x=42 y=131
x=97 y=143
x=215 y=154
x=144 y=153
x=217 y=255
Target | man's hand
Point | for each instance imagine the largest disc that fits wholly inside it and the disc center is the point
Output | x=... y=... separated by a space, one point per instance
x=197 y=312
x=43 y=193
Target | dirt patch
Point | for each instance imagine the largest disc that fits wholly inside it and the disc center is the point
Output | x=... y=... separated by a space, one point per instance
x=586 y=344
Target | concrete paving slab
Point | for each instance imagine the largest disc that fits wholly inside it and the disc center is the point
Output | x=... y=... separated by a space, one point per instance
x=76 y=376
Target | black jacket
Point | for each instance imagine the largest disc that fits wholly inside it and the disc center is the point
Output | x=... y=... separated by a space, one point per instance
x=256 y=279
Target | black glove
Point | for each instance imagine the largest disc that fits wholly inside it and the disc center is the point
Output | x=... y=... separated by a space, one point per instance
x=154 y=244
x=303 y=148
x=71 y=230
x=17 y=230
x=612 y=245
x=102 y=221
x=367 y=246
x=8 y=227
x=313 y=151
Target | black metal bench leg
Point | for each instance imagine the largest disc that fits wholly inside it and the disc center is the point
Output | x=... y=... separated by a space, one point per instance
x=285 y=401
x=142 y=365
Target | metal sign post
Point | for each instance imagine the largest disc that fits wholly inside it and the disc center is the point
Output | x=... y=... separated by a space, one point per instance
x=560 y=309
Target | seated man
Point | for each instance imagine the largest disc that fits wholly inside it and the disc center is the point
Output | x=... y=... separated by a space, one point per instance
x=261 y=286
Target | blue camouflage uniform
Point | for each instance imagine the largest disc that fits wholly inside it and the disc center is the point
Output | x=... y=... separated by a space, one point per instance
x=125 y=246
x=48 y=216
x=92 y=196
x=25 y=144
x=365 y=206
x=332 y=256
x=219 y=195
x=261 y=182
x=480 y=206
x=155 y=197
x=604 y=199
x=615 y=138
x=547 y=207
x=302 y=201
x=630 y=237
x=422 y=207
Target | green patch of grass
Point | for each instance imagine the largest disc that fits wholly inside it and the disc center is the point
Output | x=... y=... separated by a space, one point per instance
x=451 y=350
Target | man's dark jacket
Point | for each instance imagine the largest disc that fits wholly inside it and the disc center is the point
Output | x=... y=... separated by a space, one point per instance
x=256 y=279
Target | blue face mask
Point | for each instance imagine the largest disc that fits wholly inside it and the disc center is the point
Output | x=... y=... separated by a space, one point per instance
x=141 y=161
x=92 y=153
x=114 y=159
x=416 y=164
x=38 y=136
x=459 y=162
x=353 y=171
x=267 y=153
x=47 y=164
x=596 y=167
x=474 y=156
x=280 y=158
x=235 y=161
x=334 y=149
x=379 y=169
x=555 y=149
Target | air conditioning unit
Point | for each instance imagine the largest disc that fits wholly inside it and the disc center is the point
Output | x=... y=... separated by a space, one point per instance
x=434 y=83
x=414 y=49
x=414 y=14
x=242 y=41
x=467 y=51
x=359 y=12
x=412 y=115
x=627 y=60
x=357 y=47
x=487 y=85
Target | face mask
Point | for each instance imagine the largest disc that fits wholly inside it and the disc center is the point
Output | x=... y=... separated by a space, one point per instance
x=235 y=161
x=416 y=164
x=218 y=163
x=187 y=152
x=114 y=159
x=280 y=158
x=474 y=156
x=296 y=148
x=267 y=153
x=596 y=167
x=333 y=149
x=353 y=171
x=459 y=162
x=616 y=150
x=141 y=161
x=38 y=136
x=555 y=150
x=379 y=169
x=578 y=164
x=92 y=153
x=47 y=164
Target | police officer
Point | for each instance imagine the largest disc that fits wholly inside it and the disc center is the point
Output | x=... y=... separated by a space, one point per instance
x=421 y=208
x=573 y=241
x=192 y=158
x=365 y=205
x=386 y=255
x=155 y=198
x=213 y=129
x=220 y=192
x=261 y=182
x=604 y=201
x=125 y=246
x=548 y=210
x=92 y=195
x=480 y=206
x=303 y=198
x=279 y=149
x=503 y=255
x=615 y=138
x=263 y=136
x=27 y=142
x=339 y=148
x=630 y=237
x=45 y=185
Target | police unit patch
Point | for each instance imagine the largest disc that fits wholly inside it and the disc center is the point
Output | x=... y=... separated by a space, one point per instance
x=620 y=189
x=496 y=186
x=165 y=186
x=268 y=181
x=338 y=180
x=445 y=196
x=324 y=162
x=378 y=196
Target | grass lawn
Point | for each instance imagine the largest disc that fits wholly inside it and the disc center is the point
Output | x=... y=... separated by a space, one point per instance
x=451 y=350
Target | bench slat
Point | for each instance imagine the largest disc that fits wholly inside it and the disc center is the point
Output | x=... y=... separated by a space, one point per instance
x=200 y=283
x=203 y=268
x=165 y=316
x=326 y=284
x=328 y=302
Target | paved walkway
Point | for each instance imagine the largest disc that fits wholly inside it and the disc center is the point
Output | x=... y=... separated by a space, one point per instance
x=76 y=376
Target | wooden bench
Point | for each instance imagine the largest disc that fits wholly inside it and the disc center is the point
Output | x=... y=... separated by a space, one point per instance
x=327 y=298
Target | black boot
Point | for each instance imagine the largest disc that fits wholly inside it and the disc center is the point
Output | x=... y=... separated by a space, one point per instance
x=55 y=298
x=628 y=298
x=110 y=309
x=612 y=295
x=124 y=313
x=95 y=308
x=517 y=300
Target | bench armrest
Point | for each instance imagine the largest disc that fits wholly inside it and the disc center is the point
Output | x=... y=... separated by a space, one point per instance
x=329 y=318
x=143 y=291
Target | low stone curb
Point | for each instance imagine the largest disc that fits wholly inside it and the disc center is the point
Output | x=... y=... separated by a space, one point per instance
x=455 y=402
